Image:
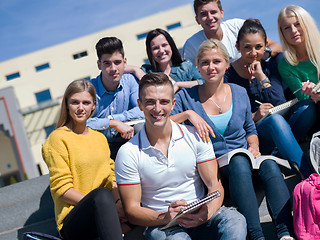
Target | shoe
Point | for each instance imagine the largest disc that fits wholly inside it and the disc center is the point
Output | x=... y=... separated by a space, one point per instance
x=287 y=238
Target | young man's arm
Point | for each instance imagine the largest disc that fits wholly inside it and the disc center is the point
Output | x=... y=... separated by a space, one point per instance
x=210 y=176
x=275 y=47
x=131 y=197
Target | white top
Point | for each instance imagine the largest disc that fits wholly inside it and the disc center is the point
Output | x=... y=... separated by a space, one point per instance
x=164 y=180
x=230 y=29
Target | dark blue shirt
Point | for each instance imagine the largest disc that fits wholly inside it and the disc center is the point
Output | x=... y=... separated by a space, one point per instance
x=273 y=94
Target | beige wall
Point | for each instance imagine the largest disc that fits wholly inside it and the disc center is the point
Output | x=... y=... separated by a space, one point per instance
x=8 y=164
x=64 y=69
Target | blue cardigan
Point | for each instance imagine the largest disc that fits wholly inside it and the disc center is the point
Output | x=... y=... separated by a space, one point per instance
x=273 y=94
x=240 y=126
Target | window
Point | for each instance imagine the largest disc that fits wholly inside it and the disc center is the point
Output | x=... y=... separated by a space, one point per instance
x=142 y=35
x=43 y=96
x=172 y=26
x=80 y=55
x=42 y=67
x=13 y=76
x=50 y=128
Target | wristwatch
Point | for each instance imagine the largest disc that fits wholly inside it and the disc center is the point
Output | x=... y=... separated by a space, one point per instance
x=110 y=117
x=264 y=81
x=268 y=50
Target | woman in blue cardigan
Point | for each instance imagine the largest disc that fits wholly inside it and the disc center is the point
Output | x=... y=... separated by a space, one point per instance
x=224 y=111
x=263 y=84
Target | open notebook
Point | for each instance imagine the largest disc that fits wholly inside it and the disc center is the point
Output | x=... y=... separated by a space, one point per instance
x=281 y=109
x=191 y=207
x=316 y=88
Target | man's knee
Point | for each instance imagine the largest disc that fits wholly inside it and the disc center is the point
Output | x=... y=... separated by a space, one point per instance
x=173 y=233
x=231 y=223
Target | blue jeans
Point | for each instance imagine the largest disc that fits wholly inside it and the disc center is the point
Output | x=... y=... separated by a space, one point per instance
x=301 y=118
x=226 y=224
x=274 y=131
x=238 y=175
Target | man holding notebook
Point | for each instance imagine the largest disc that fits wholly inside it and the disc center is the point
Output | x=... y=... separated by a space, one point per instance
x=167 y=165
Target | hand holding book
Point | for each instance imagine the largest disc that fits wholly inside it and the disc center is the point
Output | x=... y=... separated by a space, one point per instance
x=192 y=207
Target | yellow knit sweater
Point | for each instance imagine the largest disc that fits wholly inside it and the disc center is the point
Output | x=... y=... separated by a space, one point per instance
x=76 y=161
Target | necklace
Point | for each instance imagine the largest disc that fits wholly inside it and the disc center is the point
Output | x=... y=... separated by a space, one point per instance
x=224 y=100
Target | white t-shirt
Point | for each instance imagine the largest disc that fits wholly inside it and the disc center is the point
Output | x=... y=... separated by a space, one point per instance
x=164 y=180
x=230 y=29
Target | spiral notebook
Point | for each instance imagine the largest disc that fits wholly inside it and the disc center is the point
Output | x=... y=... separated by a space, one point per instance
x=191 y=207
x=281 y=109
x=316 y=88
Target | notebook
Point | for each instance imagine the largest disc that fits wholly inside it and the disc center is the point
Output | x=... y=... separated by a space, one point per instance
x=191 y=207
x=316 y=88
x=281 y=109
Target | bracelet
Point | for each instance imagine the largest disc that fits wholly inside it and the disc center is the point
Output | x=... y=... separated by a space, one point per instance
x=253 y=143
x=117 y=200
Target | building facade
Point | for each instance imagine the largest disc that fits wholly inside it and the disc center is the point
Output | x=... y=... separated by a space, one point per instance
x=40 y=78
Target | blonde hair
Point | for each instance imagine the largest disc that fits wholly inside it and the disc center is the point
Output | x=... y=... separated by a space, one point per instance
x=76 y=86
x=311 y=34
x=212 y=44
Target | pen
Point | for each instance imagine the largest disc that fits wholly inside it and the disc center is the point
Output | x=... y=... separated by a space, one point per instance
x=299 y=89
x=258 y=102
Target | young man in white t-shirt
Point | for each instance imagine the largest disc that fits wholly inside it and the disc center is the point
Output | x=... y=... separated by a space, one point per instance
x=209 y=14
x=167 y=165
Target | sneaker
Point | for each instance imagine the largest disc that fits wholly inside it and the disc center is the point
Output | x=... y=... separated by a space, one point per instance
x=287 y=238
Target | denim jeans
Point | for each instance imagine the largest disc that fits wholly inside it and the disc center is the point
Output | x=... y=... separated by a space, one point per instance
x=301 y=118
x=226 y=223
x=238 y=175
x=274 y=131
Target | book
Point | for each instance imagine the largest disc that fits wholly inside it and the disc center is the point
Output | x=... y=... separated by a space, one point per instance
x=316 y=88
x=281 y=109
x=135 y=121
x=191 y=207
x=255 y=162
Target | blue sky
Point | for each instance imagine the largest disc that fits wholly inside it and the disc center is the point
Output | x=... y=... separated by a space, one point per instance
x=27 y=26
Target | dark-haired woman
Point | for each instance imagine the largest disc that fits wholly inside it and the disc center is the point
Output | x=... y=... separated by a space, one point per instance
x=165 y=57
x=264 y=88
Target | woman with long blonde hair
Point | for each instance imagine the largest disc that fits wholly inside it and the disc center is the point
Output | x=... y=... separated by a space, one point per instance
x=300 y=38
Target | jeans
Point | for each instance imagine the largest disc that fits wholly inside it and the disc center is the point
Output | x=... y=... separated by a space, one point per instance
x=225 y=224
x=274 y=131
x=238 y=175
x=301 y=118
x=94 y=216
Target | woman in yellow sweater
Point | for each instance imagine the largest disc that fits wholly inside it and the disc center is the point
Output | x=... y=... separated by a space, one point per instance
x=82 y=178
